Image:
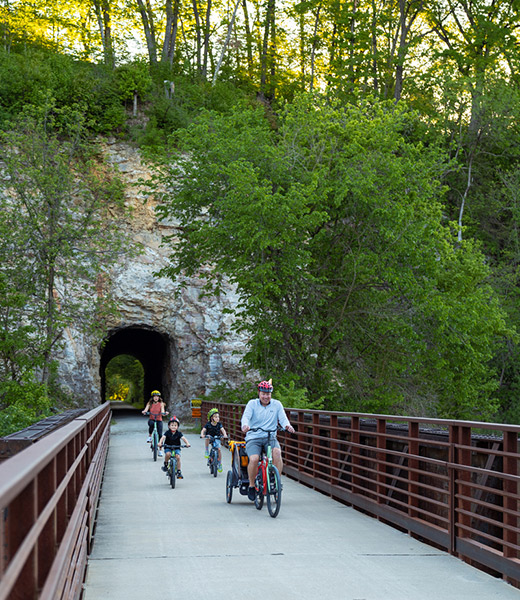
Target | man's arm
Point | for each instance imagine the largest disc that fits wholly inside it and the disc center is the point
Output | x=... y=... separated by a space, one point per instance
x=283 y=419
x=246 y=416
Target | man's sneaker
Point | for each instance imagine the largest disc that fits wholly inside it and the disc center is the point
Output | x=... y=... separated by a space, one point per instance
x=160 y=453
x=220 y=467
x=179 y=475
x=251 y=493
x=206 y=455
x=164 y=468
x=149 y=440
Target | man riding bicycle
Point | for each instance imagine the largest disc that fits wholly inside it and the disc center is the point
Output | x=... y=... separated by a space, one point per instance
x=267 y=413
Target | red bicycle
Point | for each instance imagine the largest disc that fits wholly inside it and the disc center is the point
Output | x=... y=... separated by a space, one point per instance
x=268 y=484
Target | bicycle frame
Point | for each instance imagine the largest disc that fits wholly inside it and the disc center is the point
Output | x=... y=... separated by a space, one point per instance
x=213 y=455
x=172 y=468
x=267 y=481
x=266 y=459
x=155 y=436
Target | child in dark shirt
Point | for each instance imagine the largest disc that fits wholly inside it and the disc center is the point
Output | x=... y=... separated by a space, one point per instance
x=214 y=428
x=171 y=441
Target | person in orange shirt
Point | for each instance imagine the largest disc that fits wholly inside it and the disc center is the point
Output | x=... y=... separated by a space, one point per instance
x=156 y=407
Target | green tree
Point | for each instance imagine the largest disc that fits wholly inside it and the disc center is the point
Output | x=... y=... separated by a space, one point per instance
x=60 y=206
x=125 y=372
x=332 y=230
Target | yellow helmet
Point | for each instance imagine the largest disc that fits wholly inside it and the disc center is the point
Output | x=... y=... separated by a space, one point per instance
x=155 y=393
x=211 y=412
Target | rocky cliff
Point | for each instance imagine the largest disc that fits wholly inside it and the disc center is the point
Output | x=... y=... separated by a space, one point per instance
x=183 y=342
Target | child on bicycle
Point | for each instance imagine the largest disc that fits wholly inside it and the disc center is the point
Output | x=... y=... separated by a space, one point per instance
x=214 y=428
x=171 y=441
x=156 y=407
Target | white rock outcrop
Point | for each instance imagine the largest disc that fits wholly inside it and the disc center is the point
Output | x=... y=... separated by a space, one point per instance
x=201 y=351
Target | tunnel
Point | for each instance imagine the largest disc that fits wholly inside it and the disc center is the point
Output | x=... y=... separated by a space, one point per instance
x=149 y=347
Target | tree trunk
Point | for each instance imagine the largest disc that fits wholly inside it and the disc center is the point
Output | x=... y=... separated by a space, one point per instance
x=268 y=34
x=102 y=8
x=352 y=45
x=207 y=25
x=375 y=77
x=249 y=39
x=149 y=30
x=226 y=43
x=405 y=9
x=314 y=45
x=199 y=39
x=170 y=34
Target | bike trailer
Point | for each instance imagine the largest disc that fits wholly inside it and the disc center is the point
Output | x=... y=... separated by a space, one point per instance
x=239 y=462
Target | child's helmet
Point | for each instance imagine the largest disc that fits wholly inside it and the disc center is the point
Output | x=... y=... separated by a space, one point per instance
x=174 y=420
x=211 y=412
x=155 y=393
x=265 y=386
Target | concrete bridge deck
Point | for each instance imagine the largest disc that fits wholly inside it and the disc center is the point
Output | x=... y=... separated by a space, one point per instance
x=152 y=542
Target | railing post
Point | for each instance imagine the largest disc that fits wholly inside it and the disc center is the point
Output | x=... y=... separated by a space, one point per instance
x=300 y=429
x=334 y=455
x=452 y=518
x=355 y=437
x=510 y=467
x=315 y=447
x=413 y=466
x=460 y=495
x=47 y=484
x=380 y=461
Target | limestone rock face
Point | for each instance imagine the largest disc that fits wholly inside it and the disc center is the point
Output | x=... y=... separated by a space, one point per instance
x=197 y=350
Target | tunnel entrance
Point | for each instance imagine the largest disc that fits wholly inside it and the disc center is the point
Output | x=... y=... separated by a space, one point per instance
x=150 y=348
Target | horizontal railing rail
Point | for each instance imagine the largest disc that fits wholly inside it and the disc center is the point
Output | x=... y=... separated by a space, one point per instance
x=453 y=484
x=48 y=498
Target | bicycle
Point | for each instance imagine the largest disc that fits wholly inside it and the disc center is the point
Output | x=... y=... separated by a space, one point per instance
x=154 y=444
x=268 y=484
x=171 y=467
x=213 y=455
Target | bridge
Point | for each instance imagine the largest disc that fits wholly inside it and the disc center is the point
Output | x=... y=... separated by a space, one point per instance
x=409 y=509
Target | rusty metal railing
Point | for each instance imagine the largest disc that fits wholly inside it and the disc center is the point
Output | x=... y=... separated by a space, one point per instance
x=453 y=484
x=48 y=498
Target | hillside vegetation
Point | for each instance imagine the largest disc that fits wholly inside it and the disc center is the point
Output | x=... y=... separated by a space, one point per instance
x=352 y=167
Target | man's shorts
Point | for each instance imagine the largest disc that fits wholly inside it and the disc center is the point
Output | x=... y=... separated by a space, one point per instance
x=255 y=446
x=172 y=449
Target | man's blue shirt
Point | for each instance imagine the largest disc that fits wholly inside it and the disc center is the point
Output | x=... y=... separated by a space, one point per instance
x=266 y=417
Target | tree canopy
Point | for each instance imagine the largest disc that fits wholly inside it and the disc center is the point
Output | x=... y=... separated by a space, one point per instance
x=332 y=229
x=353 y=169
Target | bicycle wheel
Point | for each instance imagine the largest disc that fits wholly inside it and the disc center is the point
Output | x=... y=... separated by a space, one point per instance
x=155 y=445
x=259 y=498
x=274 y=491
x=214 y=462
x=172 y=465
x=229 y=486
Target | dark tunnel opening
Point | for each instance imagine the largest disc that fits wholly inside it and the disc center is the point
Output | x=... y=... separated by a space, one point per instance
x=149 y=347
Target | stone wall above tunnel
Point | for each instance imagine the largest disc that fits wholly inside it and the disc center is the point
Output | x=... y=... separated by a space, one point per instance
x=202 y=350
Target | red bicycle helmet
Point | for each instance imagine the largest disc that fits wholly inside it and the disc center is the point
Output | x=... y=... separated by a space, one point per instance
x=174 y=420
x=265 y=386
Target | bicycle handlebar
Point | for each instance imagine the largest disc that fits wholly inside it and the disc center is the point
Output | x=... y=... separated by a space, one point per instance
x=267 y=430
x=176 y=447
